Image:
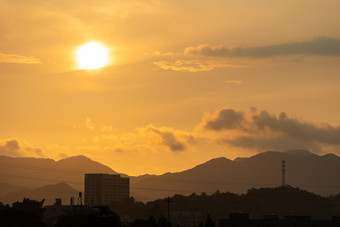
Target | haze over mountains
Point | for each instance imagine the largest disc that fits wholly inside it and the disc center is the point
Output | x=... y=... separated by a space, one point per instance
x=49 y=193
x=318 y=174
x=37 y=172
x=315 y=173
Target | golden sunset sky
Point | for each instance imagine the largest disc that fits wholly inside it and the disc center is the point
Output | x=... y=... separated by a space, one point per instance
x=186 y=81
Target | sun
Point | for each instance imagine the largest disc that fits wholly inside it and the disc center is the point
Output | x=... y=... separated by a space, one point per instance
x=92 y=55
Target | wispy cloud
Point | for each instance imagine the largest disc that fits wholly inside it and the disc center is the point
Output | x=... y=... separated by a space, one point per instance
x=89 y=124
x=201 y=56
x=19 y=59
x=236 y=82
x=322 y=46
x=144 y=139
x=192 y=65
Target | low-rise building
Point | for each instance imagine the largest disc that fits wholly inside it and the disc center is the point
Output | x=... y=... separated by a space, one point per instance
x=185 y=219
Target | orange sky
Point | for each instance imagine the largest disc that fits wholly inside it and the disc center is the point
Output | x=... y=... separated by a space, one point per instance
x=188 y=81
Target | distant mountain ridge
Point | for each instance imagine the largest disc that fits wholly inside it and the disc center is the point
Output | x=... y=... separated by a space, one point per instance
x=6 y=188
x=315 y=173
x=312 y=172
x=37 y=172
x=49 y=193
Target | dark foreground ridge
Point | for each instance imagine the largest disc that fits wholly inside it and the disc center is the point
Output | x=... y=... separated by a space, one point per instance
x=286 y=205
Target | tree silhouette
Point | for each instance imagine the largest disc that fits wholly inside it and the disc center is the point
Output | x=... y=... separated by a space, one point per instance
x=209 y=222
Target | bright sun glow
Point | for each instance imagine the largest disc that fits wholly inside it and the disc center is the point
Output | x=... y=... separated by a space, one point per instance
x=92 y=55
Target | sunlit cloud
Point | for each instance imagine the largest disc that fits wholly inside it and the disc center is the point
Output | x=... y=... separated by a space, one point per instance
x=63 y=155
x=18 y=59
x=140 y=140
x=10 y=148
x=192 y=65
x=252 y=130
x=13 y=148
x=89 y=124
x=35 y=151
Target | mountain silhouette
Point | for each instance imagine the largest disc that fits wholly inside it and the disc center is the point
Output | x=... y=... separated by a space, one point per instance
x=6 y=188
x=315 y=173
x=37 y=172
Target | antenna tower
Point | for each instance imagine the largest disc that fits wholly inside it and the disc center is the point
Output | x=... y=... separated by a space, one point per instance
x=283 y=178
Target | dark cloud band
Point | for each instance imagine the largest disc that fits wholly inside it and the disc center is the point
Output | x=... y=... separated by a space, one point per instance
x=267 y=131
x=323 y=46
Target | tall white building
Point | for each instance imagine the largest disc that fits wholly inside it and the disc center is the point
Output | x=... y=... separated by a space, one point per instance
x=103 y=189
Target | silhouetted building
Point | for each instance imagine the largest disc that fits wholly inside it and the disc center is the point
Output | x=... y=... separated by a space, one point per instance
x=185 y=219
x=239 y=216
x=103 y=189
x=243 y=220
x=57 y=201
x=53 y=212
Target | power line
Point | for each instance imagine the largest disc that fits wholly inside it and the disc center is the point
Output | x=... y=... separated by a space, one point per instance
x=38 y=178
x=68 y=171
x=154 y=179
x=43 y=168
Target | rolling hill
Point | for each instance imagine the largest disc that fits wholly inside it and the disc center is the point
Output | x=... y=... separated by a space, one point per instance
x=308 y=171
x=304 y=169
x=37 y=172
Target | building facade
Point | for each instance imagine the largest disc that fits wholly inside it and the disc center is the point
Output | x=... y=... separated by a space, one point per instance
x=243 y=220
x=103 y=189
x=185 y=219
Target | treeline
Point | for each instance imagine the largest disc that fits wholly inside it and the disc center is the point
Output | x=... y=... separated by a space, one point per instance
x=30 y=213
x=280 y=201
x=26 y=213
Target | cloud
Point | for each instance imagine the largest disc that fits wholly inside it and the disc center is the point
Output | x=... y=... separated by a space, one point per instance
x=147 y=139
x=89 y=124
x=297 y=129
x=10 y=148
x=63 y=155
x=225 y=119
x=169 y=139
x=280 y=143
x=263 y=131
x=13 y=148
x=192 y=65
x=196 y=58
x=12 y=58
x=39 y=152
x=322 y=46
x=236 y=82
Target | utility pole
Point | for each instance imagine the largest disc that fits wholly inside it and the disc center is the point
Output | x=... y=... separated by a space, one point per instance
x=168 y=211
